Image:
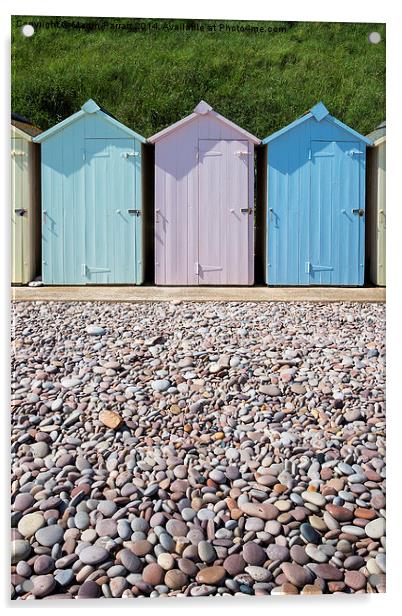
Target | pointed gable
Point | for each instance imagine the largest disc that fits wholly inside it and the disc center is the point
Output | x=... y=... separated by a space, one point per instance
x=202 y=109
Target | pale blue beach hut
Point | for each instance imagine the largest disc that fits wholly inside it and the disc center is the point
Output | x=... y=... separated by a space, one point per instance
x=92 y=200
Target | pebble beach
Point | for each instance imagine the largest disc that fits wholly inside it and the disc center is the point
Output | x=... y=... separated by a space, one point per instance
x=197 y=449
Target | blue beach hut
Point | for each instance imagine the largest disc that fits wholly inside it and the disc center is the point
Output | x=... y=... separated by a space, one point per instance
x=92 y=201
x=315 y=215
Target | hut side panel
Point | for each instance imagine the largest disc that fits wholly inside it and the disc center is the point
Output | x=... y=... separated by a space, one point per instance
x=376 y=210
x=24 y=209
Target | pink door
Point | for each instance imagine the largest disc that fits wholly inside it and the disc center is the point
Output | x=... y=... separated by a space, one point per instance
x=224 y=213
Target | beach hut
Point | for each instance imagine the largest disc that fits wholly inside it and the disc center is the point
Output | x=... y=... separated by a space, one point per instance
x=25 y=197
x=204 y=201
x=315 y=213
x=91 y=200
x=376 y=210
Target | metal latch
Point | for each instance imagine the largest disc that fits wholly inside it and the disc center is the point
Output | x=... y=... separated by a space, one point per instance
x=358 y=210
x=355 y=153
x=20 y=211
x=127 y=154
x=246 y=210
x=134 y=212
x=241 y=153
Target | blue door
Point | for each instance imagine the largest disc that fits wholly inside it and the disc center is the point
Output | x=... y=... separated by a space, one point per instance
x=316 y=213
x=112 y=214
x=336 y=216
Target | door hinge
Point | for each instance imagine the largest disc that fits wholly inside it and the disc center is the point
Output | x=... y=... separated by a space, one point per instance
x=97 y=270
x=211 y=268
x=320 y=268
x=127 y=154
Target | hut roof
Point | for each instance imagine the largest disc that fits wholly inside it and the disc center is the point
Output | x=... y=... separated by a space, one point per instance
x=202 y=109
x=318 y=112
x=89 y=107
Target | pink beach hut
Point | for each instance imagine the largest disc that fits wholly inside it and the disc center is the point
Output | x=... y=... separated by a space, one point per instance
x=204 y=201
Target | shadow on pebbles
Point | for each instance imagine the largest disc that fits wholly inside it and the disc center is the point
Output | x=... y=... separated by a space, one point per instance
x=192 y=449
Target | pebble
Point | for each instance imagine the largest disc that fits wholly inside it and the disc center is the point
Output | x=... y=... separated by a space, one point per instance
x=20 y=550
x=206 y=552
x=259 y=574
x=30 y=523
x=328 y=572
x=153 y=574
x=211 y=575
x=129 y=560
x=93 y=555
x=375 y=529
x=175 y=579
x=43 y=585
x=296 y=574
x=234 y=564
x=49 y=535
x=310 y=534
x=265 y=511
x=110 y=419
x=355 y=580
x=95 y=330
x=160 y=385
x=89 y=590
x=315 y=498
x=254 y=554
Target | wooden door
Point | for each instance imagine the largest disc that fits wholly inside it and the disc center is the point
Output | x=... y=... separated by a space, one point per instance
x=336 y=216
x=224 y=213
x=112 y=212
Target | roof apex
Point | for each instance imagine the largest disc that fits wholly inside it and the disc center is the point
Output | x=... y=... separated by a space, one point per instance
x=319 y=111
x=202 y=108
x=90 y=106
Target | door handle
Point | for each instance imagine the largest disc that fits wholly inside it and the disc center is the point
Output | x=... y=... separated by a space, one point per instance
x=246 y=210
x=271 y=213
x=20 y=211
x=358 y=210
x=157 y=212
x=135 y=212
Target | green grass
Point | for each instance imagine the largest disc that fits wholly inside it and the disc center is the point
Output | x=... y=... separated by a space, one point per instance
x=148 y=80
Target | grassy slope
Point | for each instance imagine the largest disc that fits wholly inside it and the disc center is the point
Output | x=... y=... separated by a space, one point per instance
x=149 y=80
